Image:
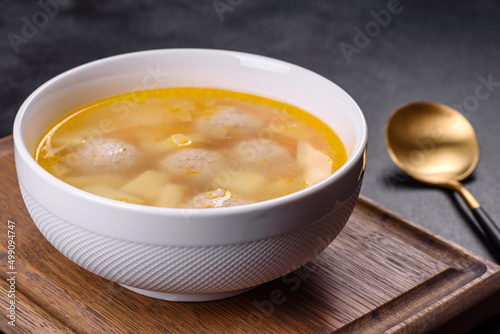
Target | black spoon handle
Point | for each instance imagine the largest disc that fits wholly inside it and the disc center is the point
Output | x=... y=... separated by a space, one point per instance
x=491 y=229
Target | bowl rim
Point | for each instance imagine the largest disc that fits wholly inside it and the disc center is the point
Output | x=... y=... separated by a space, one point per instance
x=20 y=146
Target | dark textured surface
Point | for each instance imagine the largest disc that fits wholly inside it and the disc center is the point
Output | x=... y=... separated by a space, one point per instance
x=430 y=50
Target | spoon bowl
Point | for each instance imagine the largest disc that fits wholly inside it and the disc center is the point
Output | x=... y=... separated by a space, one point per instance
x=435 y=144
x=432 y=142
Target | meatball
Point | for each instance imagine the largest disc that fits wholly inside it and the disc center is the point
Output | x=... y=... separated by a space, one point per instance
x=195 y=161
x=105 y=155
x=228 y=119
x=218 y=198
x=262 y=151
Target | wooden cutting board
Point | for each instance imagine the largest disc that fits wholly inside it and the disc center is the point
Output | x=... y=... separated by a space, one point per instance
x=382 y=274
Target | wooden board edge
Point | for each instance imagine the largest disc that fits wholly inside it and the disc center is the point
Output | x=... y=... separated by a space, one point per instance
x=490 y=265
x=476 y=296
x=472 y=317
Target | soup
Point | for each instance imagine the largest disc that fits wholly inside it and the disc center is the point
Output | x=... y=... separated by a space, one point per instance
x=190 y=148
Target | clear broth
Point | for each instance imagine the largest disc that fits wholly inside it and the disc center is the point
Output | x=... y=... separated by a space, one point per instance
x=190 y=148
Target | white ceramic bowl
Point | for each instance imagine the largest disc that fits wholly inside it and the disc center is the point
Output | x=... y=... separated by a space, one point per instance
x=190 y=254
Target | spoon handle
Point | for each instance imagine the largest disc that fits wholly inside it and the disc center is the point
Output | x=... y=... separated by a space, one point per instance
x=491 y=229
x=489 y=226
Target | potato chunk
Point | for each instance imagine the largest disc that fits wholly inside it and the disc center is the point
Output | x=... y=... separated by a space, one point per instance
x=247 y=183
x=317 y=164
x=281 y=187
x=171 y=196
x=147 y=185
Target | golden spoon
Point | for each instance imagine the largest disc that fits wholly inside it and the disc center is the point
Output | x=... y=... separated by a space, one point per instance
x=435 y=144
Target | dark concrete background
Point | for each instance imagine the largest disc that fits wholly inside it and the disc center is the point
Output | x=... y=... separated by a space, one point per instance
x=424 y=50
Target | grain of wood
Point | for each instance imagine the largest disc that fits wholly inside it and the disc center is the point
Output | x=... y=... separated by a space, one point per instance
x=383 y=273
x=30 y=318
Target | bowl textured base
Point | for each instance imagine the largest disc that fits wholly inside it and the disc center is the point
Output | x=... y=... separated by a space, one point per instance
x=183 y=297
x=190 y=270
